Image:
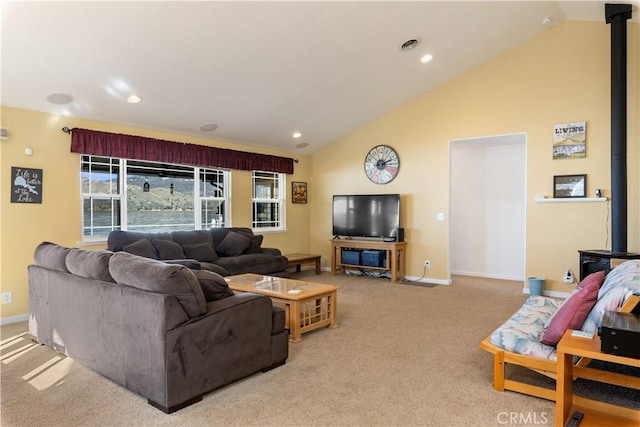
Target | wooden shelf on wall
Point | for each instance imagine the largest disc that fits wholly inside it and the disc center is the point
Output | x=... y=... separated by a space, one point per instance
x=543 y=199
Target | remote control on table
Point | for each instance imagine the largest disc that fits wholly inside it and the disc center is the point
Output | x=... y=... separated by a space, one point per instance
x=575 y=419
x=582 y=334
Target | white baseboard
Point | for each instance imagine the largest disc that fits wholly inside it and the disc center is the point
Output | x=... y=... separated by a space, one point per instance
x=14 y=319
x=427 y=280
x=488 y=276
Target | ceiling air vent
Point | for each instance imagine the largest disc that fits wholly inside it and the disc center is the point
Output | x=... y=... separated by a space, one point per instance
x=409 y=44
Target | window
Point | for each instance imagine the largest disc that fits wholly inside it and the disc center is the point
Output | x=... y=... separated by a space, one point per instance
x=267 y=200
x=155 y=197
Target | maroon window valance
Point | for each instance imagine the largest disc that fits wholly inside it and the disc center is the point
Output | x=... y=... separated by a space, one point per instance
x=108 y=144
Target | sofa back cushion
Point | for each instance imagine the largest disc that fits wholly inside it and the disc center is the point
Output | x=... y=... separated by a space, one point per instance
x=157 y=276
x=90 y=264
x=167 y=249
x=142 y=247
x=234 y=244
x=201 y=252
x=51 y=255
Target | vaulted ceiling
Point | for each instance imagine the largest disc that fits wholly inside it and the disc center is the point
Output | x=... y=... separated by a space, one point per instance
x=255 y=71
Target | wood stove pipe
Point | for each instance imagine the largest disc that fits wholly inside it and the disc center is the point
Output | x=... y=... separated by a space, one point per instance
x=617 y=15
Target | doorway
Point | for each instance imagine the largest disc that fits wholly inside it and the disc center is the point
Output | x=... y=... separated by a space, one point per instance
x=487 y=189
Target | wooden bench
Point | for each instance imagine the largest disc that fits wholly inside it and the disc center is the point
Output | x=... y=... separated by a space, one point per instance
x=296 y=260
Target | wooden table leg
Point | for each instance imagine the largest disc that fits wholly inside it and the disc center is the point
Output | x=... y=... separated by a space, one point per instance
x=294 y=321
x=318 y=270
x=332 y=300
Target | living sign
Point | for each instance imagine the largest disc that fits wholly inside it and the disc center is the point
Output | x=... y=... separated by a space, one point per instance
x=26 y=185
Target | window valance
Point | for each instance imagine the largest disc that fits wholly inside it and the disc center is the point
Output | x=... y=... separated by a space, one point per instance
x=108 y=144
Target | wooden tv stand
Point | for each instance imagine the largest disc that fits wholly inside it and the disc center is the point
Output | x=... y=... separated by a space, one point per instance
x=394 y=261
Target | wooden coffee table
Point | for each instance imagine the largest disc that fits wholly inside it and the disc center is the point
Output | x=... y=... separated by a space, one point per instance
x=307 y=305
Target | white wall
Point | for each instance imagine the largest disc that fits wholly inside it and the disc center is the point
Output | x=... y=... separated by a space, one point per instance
x=487 y=207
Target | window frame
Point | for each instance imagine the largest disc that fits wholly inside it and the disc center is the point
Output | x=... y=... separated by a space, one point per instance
x=124 y=168
x=279 y=201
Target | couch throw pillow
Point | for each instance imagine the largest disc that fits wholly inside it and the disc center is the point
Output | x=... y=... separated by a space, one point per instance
x=574 y=310
x=157 y=276
x=167 y=249
x=142 y=247
x=214 y=287
x=92 y=264
x=233 y=244
x=255 y=243
x=201 y=252
x=51 y=255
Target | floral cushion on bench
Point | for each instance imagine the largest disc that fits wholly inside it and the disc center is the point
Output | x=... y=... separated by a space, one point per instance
x=520 y=333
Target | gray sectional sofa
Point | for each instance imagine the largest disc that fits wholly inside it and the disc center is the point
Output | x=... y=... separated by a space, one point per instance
x=163 y=331
x=226 y=251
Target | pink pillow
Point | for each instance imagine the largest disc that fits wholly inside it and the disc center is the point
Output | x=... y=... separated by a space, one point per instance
x=574 y=310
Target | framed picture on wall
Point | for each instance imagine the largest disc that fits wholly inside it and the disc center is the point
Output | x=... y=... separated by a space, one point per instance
x=298 y=192
x=567 y=186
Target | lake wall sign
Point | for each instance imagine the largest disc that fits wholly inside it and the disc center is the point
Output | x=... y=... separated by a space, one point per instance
x=26 y=185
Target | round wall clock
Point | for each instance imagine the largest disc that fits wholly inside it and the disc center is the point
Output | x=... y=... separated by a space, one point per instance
x=381 y=164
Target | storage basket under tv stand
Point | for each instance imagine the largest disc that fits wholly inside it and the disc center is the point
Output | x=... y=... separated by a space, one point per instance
x=394 y=260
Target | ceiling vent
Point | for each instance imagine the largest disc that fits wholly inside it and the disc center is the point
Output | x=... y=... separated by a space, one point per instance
x=409 y=44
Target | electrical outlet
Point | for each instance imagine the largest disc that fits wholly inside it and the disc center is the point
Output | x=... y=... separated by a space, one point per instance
x=6 y=297
x=568 y=277
x=427 y=263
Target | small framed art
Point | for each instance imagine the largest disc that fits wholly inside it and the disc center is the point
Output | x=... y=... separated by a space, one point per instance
x=567 y=186
x=298 y=192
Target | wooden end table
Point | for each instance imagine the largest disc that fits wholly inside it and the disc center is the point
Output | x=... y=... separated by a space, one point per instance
x=296 y=260
x=307 y=305
x=596 y=413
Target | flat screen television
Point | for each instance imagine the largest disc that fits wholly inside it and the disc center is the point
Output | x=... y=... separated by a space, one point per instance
x=366 y=215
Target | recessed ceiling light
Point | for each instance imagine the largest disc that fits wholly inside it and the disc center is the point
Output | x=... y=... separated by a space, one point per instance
x=208 y=127
x=546 y=20
x=133 y=99
x=296 y=135
x=302 y=145
x=60 y=98
x=409 y=44
x=428 y=57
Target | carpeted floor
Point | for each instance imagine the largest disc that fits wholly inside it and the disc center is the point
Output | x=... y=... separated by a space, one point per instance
x=402 y=356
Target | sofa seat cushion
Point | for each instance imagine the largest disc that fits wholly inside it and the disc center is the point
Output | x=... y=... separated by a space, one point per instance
x=519 y=334
x=142 y=247
x=253 y=263
x=92 y=264
x=168 y=250
x=157 y=276
x=213 y=266
x=51 y=255
x=213 y=285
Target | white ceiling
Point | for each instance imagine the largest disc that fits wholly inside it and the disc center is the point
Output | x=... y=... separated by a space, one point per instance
x=259 y=70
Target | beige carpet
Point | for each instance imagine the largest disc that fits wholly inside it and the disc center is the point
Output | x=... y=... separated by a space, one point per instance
x=403 y=355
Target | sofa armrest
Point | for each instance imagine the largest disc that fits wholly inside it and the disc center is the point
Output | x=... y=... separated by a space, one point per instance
x=271 y=251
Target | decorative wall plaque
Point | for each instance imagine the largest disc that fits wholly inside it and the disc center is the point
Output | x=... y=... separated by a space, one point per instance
x=26 y=185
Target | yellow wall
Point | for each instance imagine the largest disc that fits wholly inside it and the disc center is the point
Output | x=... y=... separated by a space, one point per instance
x=559 y=76
x=57 y=219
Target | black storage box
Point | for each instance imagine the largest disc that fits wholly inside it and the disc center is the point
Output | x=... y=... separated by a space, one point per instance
x=351 y=256
x=373 y=258
x=620 y=334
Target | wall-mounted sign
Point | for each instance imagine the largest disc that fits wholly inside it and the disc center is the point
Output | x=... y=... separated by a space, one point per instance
x=26 y=185
x=569 y=140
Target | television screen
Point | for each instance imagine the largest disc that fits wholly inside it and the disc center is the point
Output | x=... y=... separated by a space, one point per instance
x=366 y=215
